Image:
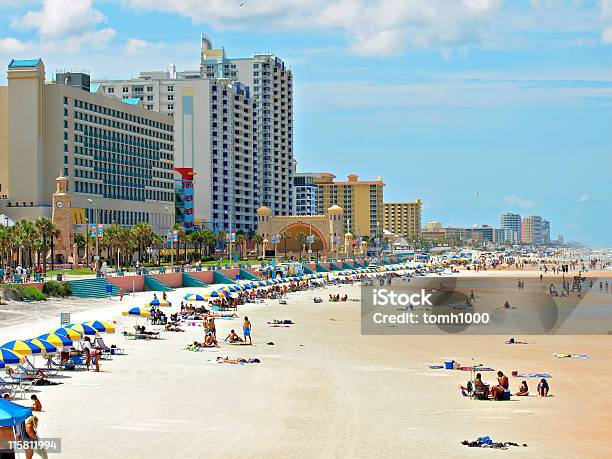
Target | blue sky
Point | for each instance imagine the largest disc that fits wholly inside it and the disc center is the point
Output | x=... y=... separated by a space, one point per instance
x=442 y=98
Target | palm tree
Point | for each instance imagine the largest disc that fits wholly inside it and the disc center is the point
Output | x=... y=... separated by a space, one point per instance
x=241 y=240
x=257 y=239
x=79 y=240
x=181 y=237
x=26 y=236
x=284 y=236
x=301 y=238
x=221 y=238
x=197 y=238
x=142 y=233
x=209 y=240
x=47 y=230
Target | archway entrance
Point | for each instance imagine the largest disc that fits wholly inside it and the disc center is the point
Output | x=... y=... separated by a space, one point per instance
x=296 y=242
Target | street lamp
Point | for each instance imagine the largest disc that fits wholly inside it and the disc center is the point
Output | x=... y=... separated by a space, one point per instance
x=229 y=253
x=97 y=211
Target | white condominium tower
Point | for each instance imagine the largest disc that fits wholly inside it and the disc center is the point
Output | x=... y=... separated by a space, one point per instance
x=272 y=86
x=237 y=138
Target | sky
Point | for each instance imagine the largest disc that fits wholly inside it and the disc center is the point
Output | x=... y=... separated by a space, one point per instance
x=477 y=107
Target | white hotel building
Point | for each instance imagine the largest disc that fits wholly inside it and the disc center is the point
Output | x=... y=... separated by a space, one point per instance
x=233 y=123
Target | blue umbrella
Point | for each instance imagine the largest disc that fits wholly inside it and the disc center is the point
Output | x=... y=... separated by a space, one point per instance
x=10 y=357
x=12 y=414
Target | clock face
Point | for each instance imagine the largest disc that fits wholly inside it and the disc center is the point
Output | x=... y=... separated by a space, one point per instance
x=59 y=204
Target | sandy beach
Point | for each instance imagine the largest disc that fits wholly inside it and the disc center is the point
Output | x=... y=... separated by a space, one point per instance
x=321 y=390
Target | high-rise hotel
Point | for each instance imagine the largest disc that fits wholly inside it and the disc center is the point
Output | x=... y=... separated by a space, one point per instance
x=233 y=121
x=117 y=157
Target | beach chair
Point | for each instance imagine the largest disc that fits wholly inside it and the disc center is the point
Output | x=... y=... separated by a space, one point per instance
x=24 y=384
x=481 y=392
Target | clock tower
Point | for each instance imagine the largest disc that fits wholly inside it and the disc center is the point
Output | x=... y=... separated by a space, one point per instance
x=62 y=217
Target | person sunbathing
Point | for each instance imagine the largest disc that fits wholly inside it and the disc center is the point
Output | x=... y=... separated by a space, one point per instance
x=38 y=380
x=480 y=386
x=233 y=337
x=497 y=392
x=210 y=341
x=171 y=328
x=543 y=388
x=523 y=390
x=240 y=360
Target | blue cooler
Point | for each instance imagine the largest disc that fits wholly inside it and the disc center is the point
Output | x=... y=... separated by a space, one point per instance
x=448 y=364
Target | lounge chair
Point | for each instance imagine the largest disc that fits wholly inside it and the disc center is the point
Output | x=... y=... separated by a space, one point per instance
x=481 y=392
x=24 y=383
x=29 y=366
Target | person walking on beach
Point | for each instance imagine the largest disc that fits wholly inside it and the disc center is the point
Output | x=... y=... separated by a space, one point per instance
x=246 y=329
x=121 y=294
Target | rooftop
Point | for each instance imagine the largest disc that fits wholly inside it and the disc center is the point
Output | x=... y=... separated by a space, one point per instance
x=17 y=63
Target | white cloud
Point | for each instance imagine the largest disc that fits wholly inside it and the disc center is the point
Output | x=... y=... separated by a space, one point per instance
x=517 y=201
x=379 y=27
x=606 y=36
x=135 y=46
x=67 y=25
x=61 y=18
x=11 y=45
x=583 y=198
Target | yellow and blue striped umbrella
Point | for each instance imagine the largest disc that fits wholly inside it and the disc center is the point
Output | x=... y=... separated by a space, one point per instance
x=21 y=347
x=83 y=329
x=194 y=297
x=156 y=302
x=217 y=294
x=9 y=357
x=137 y=311
x=104 y=327
x=45 y=346
x=56 y=340
x=70 y=333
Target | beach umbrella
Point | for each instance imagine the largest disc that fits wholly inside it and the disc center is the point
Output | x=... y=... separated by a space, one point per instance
x=156 y=302
x=10 y=357
x=83 y=329
x=45 y=346
x=69 y=332
x=55 y=339
x=217 y=294
x=138 y=312
x=194 y=297
x=102 y=327
x=2 y=365
x=13 y=414
x=21 y=347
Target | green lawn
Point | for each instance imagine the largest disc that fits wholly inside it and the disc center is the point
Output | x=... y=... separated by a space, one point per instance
x=78 y=271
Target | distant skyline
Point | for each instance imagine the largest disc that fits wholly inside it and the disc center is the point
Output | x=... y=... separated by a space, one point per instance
x=478 y=107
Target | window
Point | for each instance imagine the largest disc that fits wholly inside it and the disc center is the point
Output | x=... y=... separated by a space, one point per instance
x=149 y=98
x=110 y=90
x=126 y=89
x=170 y=106
x=170 y=97
x=149 y=88
x=170 y=88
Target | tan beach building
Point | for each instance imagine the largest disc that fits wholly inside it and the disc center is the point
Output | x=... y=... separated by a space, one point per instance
x=403 y=218
x=361 y=200
x=116 y=156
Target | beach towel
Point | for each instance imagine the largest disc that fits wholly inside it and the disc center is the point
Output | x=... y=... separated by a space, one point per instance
x=533 y=375
x=436 y=367
x=516 y=342
x=572 y=356
x=279 y=326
